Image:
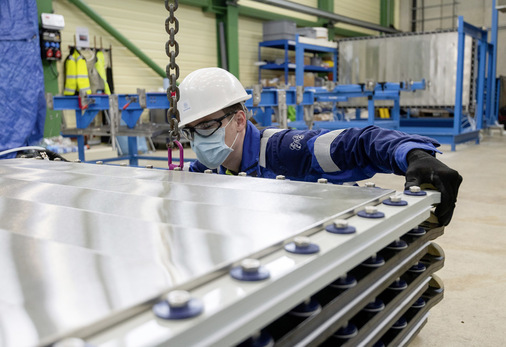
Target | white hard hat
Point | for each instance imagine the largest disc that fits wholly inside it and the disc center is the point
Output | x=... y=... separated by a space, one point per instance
x=208 y=90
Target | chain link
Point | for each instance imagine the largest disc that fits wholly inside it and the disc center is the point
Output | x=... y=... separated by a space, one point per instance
x=172 y=70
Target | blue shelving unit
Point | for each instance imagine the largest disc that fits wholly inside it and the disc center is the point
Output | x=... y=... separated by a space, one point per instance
x=299 y=68
x=300 y=49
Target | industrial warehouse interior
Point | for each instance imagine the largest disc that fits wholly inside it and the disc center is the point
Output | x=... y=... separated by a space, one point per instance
x=252 y=173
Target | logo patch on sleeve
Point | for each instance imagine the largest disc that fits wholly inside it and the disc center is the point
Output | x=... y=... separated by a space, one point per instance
x=295 y=145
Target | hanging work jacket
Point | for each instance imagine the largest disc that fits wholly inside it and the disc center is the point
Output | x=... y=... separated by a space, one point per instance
x=344 y=155
x=100 y=68
x=76 y=74
x=96 y=82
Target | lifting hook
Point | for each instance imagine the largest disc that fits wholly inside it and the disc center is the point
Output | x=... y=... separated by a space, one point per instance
x=181 y=156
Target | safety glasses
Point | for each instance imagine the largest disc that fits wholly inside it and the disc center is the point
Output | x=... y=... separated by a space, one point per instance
x=206 y=128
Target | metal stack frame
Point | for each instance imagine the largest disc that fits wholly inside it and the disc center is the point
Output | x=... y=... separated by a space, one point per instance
x=365 y=246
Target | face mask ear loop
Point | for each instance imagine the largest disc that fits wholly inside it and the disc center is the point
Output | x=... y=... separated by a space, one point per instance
x=231 y=119
x=231 y=147
x=233 y=143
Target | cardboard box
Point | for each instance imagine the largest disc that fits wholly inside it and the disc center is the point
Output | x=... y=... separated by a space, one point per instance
x=309 y=79
x=307 y=60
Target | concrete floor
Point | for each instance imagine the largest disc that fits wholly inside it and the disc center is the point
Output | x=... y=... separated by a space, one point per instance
x=473 y=311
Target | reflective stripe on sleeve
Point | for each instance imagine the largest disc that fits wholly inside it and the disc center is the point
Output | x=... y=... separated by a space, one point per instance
x=322 y=150
x=263 y=144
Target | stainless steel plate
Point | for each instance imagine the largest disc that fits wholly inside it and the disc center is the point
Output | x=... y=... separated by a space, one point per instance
x=80 y=243
x=429 y=56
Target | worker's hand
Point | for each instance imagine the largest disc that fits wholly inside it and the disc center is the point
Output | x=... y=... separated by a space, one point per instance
x=426 y=170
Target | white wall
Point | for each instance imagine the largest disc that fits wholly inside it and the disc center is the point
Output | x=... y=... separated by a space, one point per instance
x=365 y=10
x=143 y=23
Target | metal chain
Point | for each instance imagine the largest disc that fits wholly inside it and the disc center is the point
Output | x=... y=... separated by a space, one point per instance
x=172 y=70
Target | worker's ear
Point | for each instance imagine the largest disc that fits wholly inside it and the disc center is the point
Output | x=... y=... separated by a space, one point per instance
x=241 y=120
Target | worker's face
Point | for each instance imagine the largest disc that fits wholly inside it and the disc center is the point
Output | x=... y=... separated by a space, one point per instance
x=208 y=125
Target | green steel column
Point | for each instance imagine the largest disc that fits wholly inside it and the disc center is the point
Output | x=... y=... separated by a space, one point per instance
x=387 y=11
x=228 y=14
x=232 y=34
x=327 y=5
x=52 y=126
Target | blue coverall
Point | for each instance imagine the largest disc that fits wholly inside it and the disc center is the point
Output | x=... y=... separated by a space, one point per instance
x=344 y=155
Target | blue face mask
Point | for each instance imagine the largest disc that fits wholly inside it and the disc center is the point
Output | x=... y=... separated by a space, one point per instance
x=212 y=150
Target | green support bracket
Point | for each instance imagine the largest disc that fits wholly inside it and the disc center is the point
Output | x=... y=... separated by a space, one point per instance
x=52 y=125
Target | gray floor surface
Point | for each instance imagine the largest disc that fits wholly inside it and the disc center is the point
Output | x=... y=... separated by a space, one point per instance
x=473 y=311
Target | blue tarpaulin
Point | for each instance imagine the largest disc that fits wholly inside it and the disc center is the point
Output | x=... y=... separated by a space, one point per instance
x=22 y=103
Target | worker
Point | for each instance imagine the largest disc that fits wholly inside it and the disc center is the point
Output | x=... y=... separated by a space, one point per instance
x=213 y=117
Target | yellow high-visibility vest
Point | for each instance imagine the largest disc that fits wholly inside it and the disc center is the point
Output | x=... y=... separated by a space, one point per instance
x=76 y=74
x=100 y=66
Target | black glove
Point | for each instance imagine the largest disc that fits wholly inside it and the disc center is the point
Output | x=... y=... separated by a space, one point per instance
x=424 y=169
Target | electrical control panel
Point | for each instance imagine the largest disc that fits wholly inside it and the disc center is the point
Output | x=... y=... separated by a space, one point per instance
x=50 y=36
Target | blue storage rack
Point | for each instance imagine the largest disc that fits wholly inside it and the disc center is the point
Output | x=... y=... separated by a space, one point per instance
x=341 y=93
x=131 y=109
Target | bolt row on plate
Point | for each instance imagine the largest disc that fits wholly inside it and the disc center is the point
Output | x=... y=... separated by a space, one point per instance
x=179 y=304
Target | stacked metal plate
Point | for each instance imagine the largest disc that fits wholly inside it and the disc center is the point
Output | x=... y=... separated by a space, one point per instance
x=409 y=57
x=142 y=257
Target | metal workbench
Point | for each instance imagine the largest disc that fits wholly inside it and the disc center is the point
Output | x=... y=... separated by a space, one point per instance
x=90 y=252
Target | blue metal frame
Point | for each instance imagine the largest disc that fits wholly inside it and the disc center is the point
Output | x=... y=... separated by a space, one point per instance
x=450 y=131
x=460 y=130
x=341 y=93
x=262 y=113
x=492 y=117
x=131 y=111
x=83 y=119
